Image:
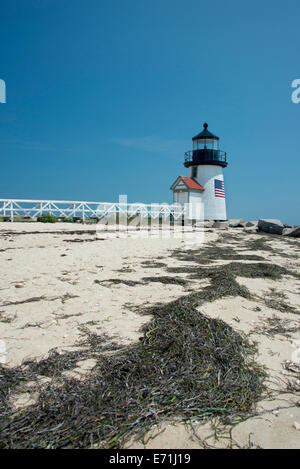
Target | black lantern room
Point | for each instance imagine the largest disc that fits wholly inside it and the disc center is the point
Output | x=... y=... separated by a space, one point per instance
x=205 y=150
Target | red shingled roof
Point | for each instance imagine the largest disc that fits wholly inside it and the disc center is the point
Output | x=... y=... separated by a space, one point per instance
x=192 y=183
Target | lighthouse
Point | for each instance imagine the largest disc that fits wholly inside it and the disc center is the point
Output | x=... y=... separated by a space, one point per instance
x=205 y=181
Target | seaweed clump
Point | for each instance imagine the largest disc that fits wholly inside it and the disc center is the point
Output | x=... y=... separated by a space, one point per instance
x=166 y=280
x=259 y=270
x=240 y=269
x=261 y=243
x=117 y=281
x=186 y=365
x=213 y=252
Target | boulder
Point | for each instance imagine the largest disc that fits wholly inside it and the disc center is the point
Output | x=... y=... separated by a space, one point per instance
x=251 y=229
x=251 y=223
x=294 y=232
x=269 y=225
x=236 y=222
x=208 y=223
x=223 y=225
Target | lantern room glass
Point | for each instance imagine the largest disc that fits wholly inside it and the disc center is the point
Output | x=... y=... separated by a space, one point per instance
x=206 y=143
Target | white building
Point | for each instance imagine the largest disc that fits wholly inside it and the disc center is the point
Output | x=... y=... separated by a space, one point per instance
x=205 y=181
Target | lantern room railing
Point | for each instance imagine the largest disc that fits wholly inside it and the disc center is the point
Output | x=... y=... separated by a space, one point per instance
x=205 y=156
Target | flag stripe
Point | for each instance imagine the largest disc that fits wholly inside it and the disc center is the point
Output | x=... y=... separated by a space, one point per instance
x=219 y=188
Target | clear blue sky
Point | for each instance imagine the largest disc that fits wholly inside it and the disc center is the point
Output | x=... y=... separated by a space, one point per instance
x=104 y=96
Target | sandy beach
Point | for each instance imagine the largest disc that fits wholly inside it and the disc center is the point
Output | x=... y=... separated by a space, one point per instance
x=59 y=281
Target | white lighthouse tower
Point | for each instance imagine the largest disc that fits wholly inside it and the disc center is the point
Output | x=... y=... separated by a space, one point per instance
x=205 y=181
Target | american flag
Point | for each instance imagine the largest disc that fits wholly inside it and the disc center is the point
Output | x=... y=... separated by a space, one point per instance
x=219 y=188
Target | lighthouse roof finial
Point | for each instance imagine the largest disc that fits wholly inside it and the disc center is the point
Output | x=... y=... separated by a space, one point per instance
x=205 y=134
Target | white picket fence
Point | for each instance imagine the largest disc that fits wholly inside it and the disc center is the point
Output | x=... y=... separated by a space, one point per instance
x=68 y=209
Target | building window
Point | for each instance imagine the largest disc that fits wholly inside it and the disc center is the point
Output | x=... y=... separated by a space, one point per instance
x=194 y=171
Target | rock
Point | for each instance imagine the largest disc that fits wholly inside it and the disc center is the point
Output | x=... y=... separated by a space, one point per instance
x=294 y=232
x=251 y=229
x=286 y=225
x=251 y=223
x=236 y=222
x=223 y=225
x=47 y=324
x=19 y=285
x=296 y=426
x=208 y=223
x=269 y=225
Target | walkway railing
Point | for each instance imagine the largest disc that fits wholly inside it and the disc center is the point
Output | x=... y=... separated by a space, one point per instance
x=13 y=208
